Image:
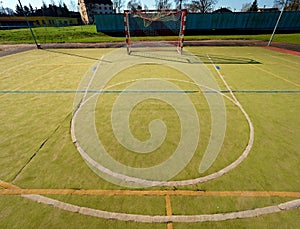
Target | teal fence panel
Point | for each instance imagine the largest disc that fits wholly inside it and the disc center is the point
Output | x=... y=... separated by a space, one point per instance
x=290 y=21
x=196 y=21
x=229 y=22
x=251 y=21
x=109 y=23
x=258 y=21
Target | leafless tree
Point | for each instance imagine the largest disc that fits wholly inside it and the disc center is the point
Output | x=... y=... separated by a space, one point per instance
x=180 y=3
x=293 y=5
x=201 y=6
x=246 y=7
x=289 y=5
x=163 y=4
x=52 y=3
x=254 y=6
x=134 y=5
x=279 y=3
x=118 y=5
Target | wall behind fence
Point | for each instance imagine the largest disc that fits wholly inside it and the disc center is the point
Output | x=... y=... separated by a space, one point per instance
x=217 y=23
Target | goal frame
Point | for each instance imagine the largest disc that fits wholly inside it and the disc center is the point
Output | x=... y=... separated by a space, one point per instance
x=174 y=11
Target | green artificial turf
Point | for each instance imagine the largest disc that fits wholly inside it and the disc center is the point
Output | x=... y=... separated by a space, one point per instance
x=36 y=150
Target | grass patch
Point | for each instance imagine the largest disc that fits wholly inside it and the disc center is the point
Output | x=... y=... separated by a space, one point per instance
x=14 y=208
x=88 y=34
x=184 y=205
x=288 y=219
x=148 y=205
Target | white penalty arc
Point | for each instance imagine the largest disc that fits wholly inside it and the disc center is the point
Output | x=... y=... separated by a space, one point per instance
x=95 y=154
x=209 y=177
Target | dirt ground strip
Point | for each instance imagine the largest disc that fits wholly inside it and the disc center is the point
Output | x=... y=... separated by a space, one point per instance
x=8 y=49
x=277 y=49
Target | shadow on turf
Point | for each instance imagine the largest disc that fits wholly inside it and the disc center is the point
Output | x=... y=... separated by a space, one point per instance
x=76 y=55
x=172 y=57
x=218 y=59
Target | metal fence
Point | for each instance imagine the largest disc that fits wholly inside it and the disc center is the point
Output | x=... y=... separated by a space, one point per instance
x=231 y=23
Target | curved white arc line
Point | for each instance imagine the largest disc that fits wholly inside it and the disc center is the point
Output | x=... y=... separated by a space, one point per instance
x=289 y=205
x=137 y=61
x=169 y=183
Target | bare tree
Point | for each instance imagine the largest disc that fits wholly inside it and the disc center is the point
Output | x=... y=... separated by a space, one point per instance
x=163 y=4
x=289 y=5
x=31 y=9
x=118 y=5
x=254 y=7
x=180 y=3
x=44 y=6
x=134 y=5
x=201 y=6
x=2 y=9
x=279 y=3
x=19 y=10
x=294 y=5
x=52 y=3
x=246 y=7
x=26 y=10
x=60 y=3
x=193 y=7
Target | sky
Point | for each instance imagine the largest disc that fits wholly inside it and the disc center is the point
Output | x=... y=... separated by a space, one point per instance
x=233 y=4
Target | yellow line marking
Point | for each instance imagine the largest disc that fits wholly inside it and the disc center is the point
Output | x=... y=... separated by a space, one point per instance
x=276 y=76
x=11 y=189
x=14 y=190
x=8 y=185
x=169 y=211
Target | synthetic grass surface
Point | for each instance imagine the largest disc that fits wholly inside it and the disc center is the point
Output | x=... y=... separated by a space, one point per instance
x=36 y=150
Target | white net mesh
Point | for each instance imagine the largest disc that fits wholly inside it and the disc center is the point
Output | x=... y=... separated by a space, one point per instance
x=154 y=23
x=160 y=23
x=154 y=16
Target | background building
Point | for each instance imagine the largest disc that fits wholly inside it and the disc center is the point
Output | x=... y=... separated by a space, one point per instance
x=89 y=8
x=15 y=22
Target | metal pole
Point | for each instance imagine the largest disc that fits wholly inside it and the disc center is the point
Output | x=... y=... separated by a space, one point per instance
x=28 y=24
x=277 y=24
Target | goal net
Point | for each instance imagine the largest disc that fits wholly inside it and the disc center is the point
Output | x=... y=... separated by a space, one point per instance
x=154 y=23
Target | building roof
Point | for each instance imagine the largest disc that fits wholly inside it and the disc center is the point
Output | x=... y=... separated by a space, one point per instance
x=222 y=10
x=268 y=9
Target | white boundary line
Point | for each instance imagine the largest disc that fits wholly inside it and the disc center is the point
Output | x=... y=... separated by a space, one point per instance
x=222 y=78
x=290 y=205
x=92 y=78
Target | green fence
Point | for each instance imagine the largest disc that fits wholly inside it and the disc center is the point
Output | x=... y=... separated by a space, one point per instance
x=252 y=22
x=110 y=23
